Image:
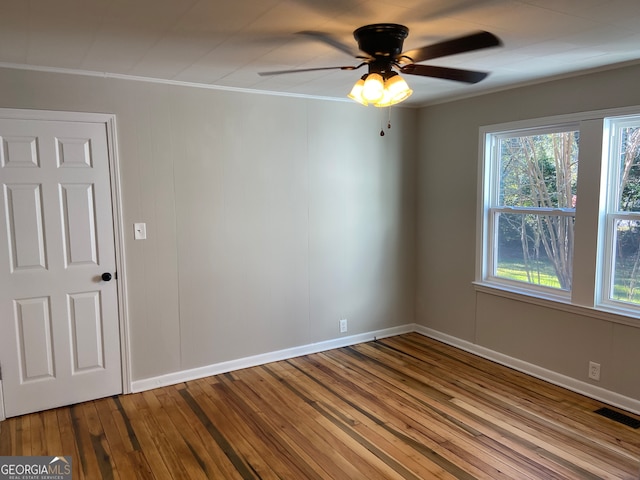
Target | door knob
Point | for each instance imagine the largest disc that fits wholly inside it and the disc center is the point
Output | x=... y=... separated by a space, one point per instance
x=106 y=276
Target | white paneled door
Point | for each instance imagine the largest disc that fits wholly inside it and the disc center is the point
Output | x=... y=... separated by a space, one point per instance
x=59 y=326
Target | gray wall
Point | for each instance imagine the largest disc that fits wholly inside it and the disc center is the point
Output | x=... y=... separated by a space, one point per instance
x=268 y=218
x=447 y=200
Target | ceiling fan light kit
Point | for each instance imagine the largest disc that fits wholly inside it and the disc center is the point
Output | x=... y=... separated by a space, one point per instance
x=380 y=90
x=380 y=48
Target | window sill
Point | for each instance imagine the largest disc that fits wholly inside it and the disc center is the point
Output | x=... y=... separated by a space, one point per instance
x=603 y=312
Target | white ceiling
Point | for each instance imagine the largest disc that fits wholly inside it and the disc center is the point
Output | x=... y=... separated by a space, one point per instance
x=227 y=42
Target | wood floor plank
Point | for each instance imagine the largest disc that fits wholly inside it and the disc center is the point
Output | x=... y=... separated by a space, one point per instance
x=403 y=407
x=8 y=438
x=123 y=423
x=121 y=460
x=340 y=452
x=231 y=433
x=269 y=425
x=428 y=427
x=24 y=428
x=53 y=441
x=462 y=430
x=204 y=436
x=199 y=450
x=69 y=445
x=535 y=401
x=38 y=442
x=422 y=437
x=370 y=410
x=474 y=393
x=366 y=462
x=86 y=459
x=172 y=438
x=165 y=440
x=146 y=432
x=543 y=414
x=101 y=448
x=515 y=416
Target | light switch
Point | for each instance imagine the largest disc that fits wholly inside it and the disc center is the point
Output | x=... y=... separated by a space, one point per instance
x=140 y=231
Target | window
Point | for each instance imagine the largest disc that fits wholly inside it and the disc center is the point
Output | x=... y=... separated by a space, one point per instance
x=532 y=206
x=537 y=178
x=622 y=245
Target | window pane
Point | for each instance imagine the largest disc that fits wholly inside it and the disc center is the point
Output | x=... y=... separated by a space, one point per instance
x=626 y=270
x=536 y=249
x=539 y=170
x=629 y=151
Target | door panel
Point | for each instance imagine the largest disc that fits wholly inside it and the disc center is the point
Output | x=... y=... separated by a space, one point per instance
x=24 y=214
x=33 y=323
x=59 y=325
x=74 y=152
x=79 y=225
x=19 y=152
x=86 y=324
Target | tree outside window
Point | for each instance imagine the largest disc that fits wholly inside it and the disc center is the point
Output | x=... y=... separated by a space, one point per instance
x=534 y=210
x=624 y=210
x=527 y=240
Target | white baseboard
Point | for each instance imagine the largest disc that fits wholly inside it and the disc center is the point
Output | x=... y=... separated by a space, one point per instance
x=592 y=391
x=578 y=386
x=598 y=393
x=229 y=366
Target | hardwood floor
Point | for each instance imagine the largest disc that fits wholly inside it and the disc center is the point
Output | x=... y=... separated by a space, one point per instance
x=402 y=407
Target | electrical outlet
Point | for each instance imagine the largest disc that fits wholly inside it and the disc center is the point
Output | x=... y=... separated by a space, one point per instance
x=594 y=371
x=343 y=325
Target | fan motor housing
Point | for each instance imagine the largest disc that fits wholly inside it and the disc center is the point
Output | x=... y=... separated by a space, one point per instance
x=381 y=40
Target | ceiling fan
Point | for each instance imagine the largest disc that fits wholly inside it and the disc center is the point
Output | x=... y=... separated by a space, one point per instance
x=380 y=48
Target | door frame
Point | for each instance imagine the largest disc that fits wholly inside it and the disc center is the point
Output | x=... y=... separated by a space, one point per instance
x=109 y=121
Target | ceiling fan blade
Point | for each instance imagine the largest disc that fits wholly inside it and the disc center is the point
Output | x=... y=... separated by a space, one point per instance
x=299 y=70
x=456 y=74
x=468 y=43
x=331 y=41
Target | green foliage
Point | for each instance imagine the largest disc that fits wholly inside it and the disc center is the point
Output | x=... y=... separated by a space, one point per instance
x=539 y=171
x=627 y=261
x=626 y=280
x=630 y=177
x=544 y=273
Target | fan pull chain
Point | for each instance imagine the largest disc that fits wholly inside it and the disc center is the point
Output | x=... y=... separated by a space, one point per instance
x=388 y=124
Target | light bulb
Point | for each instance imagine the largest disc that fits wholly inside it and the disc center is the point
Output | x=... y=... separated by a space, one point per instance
x=385 y=101
x=373 y=88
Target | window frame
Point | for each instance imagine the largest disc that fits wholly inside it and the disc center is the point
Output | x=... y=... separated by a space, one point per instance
x=593 y=223
x=608 y=247
x=490 y=163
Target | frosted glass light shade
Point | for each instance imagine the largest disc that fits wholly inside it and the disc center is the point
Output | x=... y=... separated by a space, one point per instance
x=373 y=88
x=397 y=89
x=356 y=93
